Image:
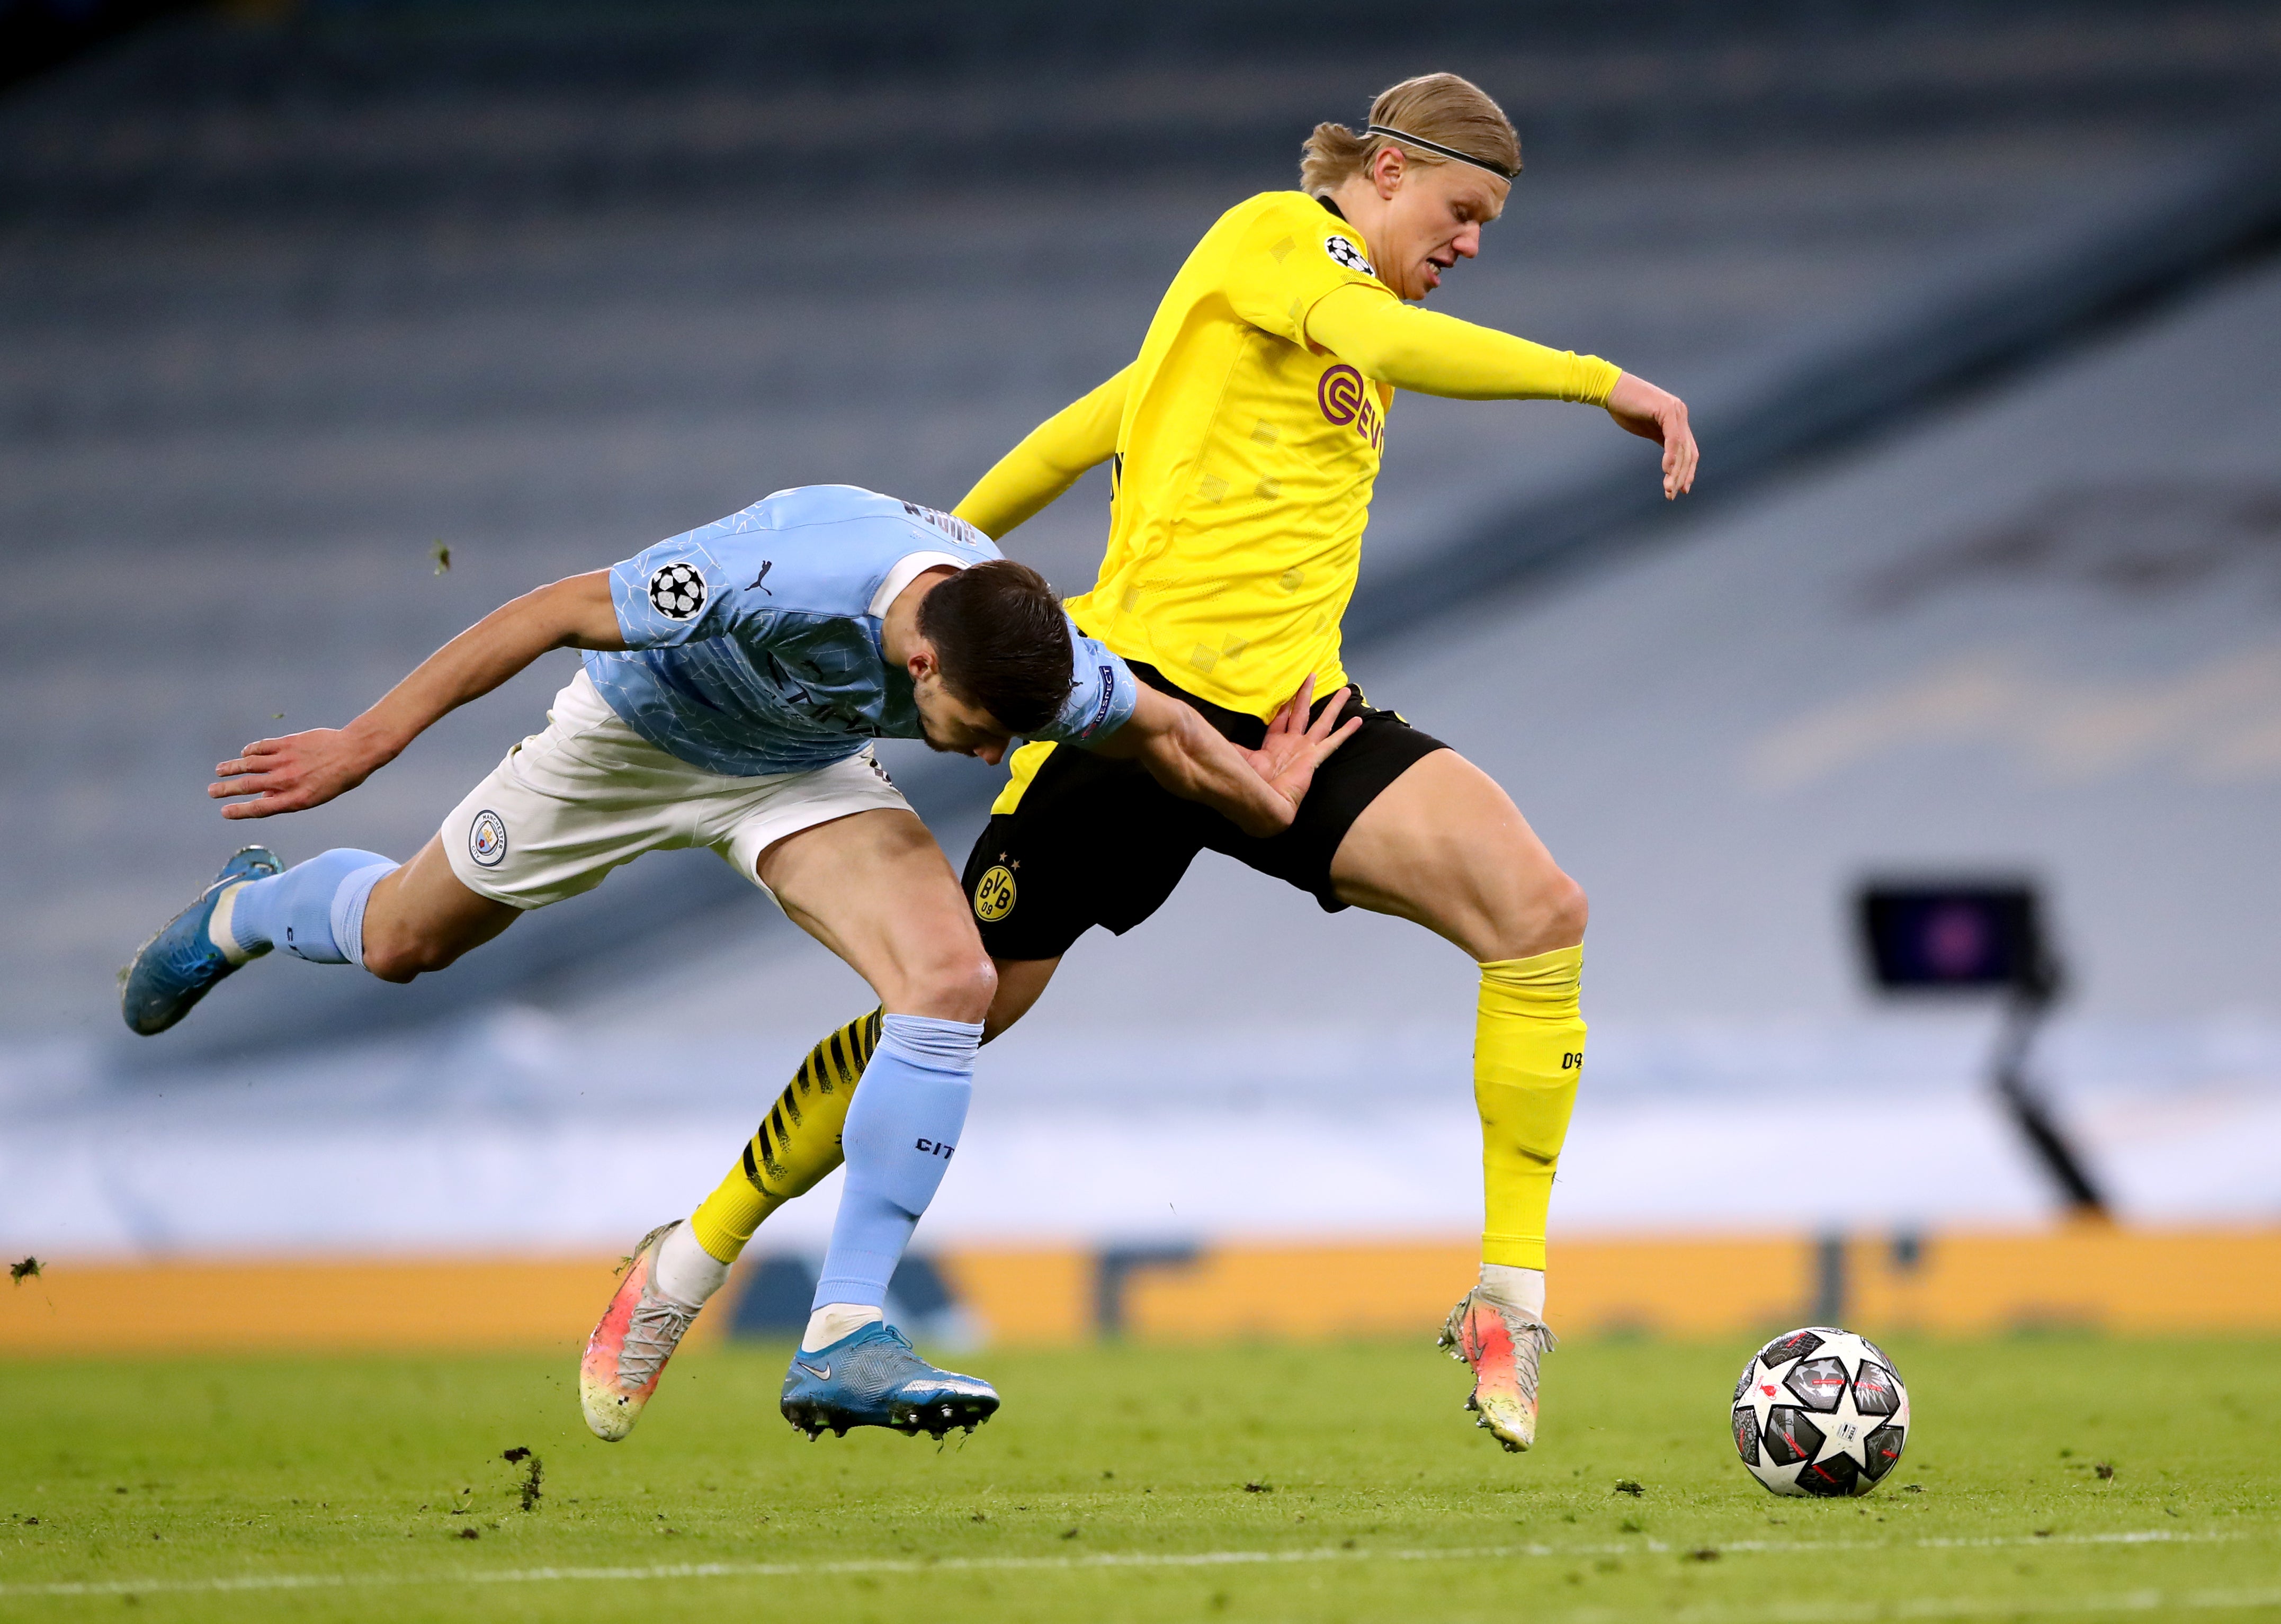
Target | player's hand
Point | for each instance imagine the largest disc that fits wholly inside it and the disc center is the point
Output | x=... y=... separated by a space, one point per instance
x=1639 y=407
x=1294 y=747
x=294 y=773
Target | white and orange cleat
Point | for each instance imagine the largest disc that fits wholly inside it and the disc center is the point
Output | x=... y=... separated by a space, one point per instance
x=1502 y=1345
x=627 y=1352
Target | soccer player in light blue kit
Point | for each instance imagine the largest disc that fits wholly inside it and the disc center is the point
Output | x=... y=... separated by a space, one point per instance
x=733 y=679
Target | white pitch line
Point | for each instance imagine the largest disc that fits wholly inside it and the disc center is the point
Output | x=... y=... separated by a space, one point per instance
x=1958 y=1607
x=1072 y=1564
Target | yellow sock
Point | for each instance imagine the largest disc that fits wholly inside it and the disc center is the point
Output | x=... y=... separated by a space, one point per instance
x=797 y=1143
x=1528 y=1057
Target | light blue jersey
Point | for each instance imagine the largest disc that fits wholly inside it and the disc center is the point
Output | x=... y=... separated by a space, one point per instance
x=752 y=643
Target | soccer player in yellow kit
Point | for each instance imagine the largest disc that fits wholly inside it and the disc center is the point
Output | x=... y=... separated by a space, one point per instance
x=1244 y=441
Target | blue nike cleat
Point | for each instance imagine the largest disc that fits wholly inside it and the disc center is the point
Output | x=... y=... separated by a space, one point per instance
x=174 y=968
x=872 y=1378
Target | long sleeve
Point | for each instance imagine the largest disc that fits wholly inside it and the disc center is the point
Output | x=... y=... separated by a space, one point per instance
x=1050 y=461
x=1433 y=354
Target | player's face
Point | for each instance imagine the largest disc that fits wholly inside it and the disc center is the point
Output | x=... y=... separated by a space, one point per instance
x=956 y=727
x=1433 y=220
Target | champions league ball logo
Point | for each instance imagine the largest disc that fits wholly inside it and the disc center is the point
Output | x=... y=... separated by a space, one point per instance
x=677 y=590
x=1343 y=253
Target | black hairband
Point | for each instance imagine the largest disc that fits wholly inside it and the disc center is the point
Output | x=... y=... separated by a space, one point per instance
x=1498 y=170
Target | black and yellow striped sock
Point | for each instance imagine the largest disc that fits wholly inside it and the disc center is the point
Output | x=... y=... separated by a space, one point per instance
x=796 y=1145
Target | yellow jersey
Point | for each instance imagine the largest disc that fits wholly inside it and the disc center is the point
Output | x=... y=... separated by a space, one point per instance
x=1244 y=464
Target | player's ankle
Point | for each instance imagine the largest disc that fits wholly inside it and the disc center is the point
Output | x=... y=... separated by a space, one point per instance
x=1514 y=1287
x=685 y=1271
x=827 y=1325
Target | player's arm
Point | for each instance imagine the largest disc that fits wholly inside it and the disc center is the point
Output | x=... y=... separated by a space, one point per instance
x=1258 y=791
x=1050 y=459
x=1433 y=354
x=307 y=770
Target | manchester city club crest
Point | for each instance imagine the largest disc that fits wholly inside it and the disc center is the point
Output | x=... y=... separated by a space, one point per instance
x=487 y=839
x=1343 y=251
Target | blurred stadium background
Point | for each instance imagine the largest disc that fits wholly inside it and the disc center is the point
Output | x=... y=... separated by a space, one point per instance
x=1979 y=309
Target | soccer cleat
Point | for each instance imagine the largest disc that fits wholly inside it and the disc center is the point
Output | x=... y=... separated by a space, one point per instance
x=178 y=966
x=1503 y=1346
x=872 y=1378
x=627 y=1352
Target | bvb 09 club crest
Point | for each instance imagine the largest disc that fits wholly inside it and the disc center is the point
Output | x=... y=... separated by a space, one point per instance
x=993 y=898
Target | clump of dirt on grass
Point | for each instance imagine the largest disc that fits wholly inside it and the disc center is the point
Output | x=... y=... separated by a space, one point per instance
x=534 y=1473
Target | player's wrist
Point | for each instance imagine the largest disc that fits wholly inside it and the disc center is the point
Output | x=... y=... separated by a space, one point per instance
x=374 y=743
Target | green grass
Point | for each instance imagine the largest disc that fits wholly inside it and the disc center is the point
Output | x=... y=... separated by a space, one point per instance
x=154 y=1478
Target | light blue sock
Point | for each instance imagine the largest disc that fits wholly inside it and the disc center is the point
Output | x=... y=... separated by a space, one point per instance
x=314 y=910
x=900 y=1132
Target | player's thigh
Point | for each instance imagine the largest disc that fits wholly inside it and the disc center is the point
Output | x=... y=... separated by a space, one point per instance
x=1444 y=845
x=420 y=918
x=876 y=889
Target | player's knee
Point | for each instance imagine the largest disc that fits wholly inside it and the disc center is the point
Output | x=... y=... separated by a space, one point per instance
x=1549 y=914
x=1567 y=910
x=955 y=986
x=401 y=960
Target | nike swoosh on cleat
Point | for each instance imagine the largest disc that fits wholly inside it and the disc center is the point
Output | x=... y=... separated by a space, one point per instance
x=820 y=1375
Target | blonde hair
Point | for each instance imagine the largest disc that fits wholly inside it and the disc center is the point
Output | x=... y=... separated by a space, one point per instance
x=1441 y=108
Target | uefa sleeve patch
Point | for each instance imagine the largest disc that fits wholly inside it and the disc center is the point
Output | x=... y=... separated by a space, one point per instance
x=677 y=590
x=1345 y=253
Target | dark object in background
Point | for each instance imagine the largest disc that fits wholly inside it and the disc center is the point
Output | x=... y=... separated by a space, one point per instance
x=1981 y=936
x=39 y=35
x=1955 y=938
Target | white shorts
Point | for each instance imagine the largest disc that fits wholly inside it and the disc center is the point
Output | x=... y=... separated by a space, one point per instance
x=568 y=805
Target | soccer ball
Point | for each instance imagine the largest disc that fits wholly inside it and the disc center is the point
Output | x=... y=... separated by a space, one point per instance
x=1821 y=1411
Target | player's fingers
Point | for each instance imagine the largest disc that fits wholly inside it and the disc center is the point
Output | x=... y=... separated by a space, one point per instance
x=1329 y=718
x=1323 y=752
x=1303 y=702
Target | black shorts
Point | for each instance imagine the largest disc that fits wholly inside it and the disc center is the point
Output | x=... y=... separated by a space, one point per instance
x=1095 y=841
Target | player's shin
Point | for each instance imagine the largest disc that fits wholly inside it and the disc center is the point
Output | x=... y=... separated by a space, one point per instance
x=796 y=1146
x=314 y=910
x=901 y=1131
x=1529 y=1057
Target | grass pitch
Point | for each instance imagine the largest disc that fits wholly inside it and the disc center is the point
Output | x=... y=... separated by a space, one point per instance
x=1141 y=1483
